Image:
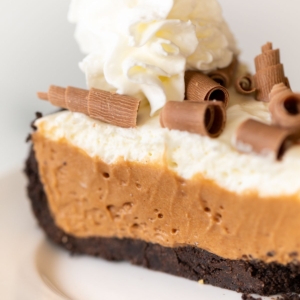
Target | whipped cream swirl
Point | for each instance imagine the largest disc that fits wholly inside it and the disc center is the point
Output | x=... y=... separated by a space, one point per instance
x=142 y=48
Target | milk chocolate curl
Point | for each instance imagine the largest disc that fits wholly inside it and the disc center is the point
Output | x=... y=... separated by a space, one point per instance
x=267 y=59
x=42 y=96
x=115 y=109
x=112 y=108
x=199 y=87
x=77 y=100
x=268 y=46
x=267 y=140
x=245 y=85
x=226 y=75
x=285 y=107
x=56 y=95
x=71 y=98
x=204 y=118
x=269 y=71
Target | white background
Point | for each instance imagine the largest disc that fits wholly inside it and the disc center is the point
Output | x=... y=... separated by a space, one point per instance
x=37 y=49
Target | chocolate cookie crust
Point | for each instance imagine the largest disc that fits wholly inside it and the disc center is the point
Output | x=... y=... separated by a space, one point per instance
x=189 y=262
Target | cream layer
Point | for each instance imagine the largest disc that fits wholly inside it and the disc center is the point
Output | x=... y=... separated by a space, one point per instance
x=151 y=202
x=186 y=154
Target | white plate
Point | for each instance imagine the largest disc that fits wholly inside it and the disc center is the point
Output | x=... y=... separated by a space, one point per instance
x=33 y=268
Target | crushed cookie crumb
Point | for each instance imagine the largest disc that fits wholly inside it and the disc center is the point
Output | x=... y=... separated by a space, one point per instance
x=64 y=239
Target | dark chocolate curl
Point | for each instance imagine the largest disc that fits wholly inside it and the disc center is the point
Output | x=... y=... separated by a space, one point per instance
x=245 y=85
x=199 y=87
x=267 y=140
x=226 y=75
x=112 y=108
x=269 y=71
x=204 y=118
x=285 y=107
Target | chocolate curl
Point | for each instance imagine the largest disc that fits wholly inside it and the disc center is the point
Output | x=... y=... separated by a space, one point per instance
x=199 y=87
x=268 y=46
x=285 y=107
x=269 y=71
x=42 y=96
x=77 y=100
x=267 y=59
x=204 y=118
x=225 y=76
x=245 y=85
x=255 y=137
x=115 y=109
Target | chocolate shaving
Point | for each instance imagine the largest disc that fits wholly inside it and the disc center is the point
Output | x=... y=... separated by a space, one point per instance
x=256 y=137
x=226 y=75
x=200 y=87
x=115 y=109
x=269 y=71
x=245 y=85
x=285 y=107
x=204 y=118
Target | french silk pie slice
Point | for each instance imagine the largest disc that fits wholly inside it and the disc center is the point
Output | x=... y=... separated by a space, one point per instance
x=174 y=158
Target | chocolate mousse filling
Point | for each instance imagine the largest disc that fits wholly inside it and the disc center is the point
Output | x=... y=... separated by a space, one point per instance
x=248 y=276
x=149 y=201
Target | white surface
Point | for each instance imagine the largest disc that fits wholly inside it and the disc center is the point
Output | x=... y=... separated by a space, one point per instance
x=37 y=49
x=32 y=268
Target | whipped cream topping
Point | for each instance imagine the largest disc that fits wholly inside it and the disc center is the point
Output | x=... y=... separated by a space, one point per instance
x=185 y=153
x=142 y=48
